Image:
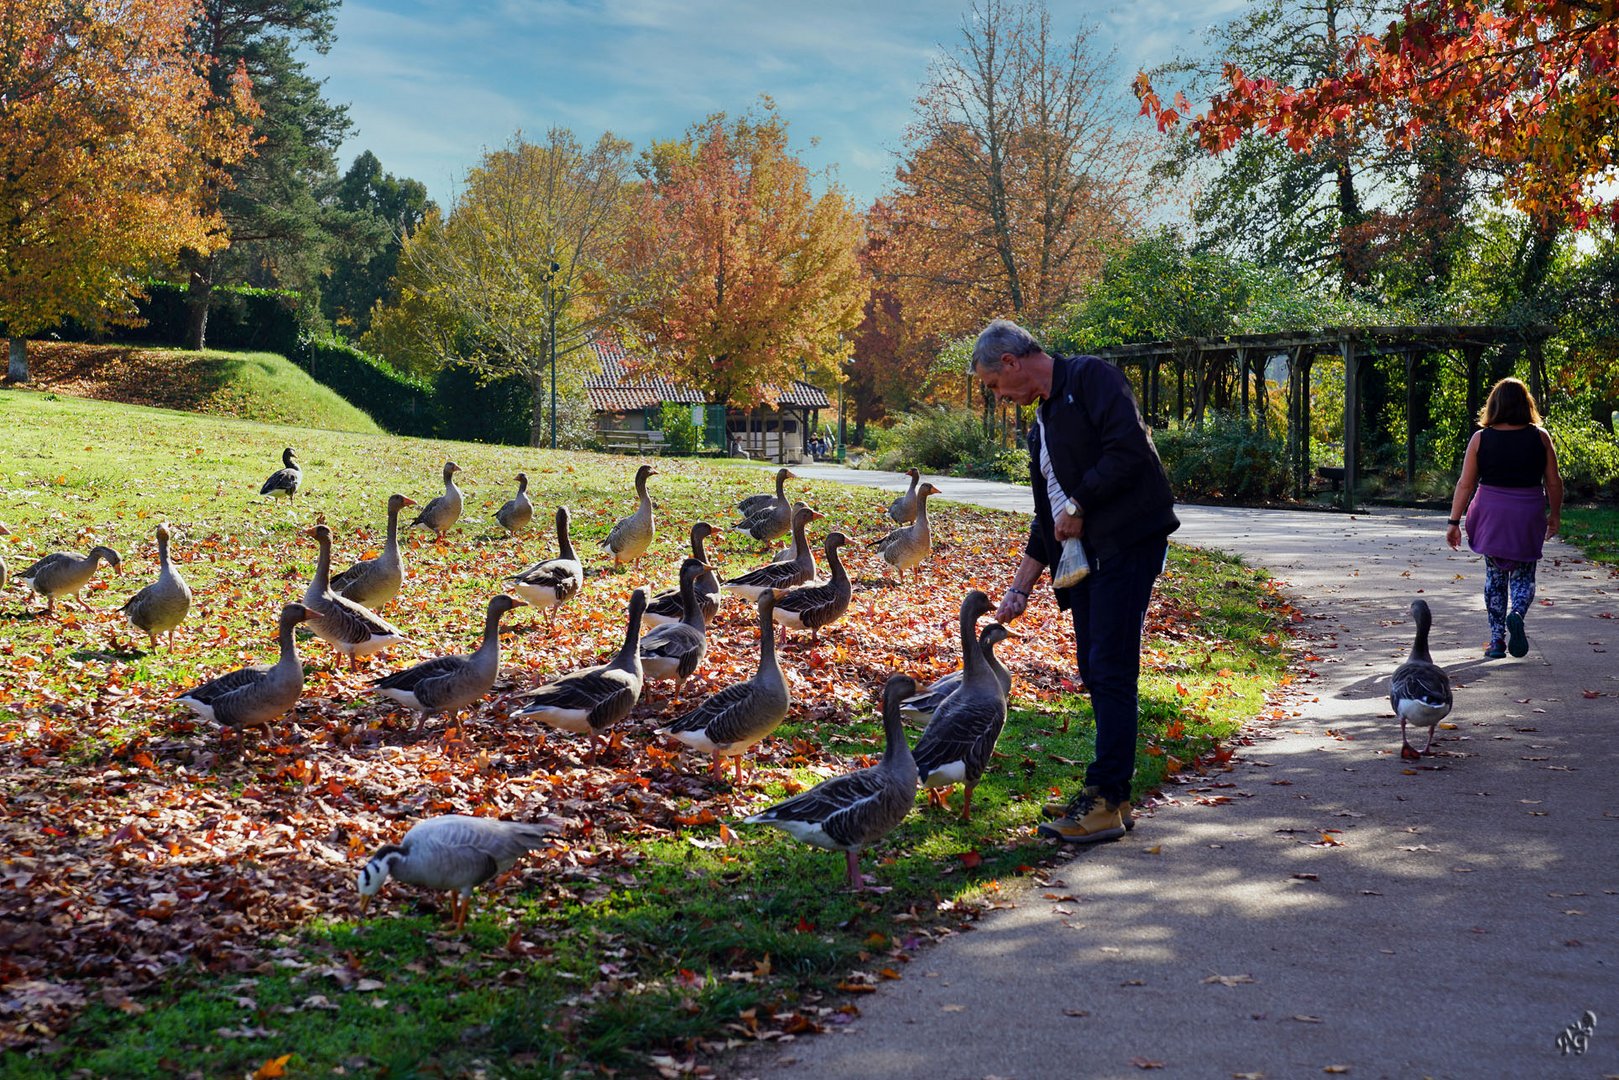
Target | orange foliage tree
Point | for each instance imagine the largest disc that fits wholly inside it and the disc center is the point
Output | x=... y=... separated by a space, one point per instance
x=105 y=143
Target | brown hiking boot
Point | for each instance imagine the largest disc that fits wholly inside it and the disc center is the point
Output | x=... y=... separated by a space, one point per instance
x=1057 y=808
x=1087 y=820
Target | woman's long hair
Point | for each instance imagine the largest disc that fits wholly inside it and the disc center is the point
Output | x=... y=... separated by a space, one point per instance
x=1510 y=402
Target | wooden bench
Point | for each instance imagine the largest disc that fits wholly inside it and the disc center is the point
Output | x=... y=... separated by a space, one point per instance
x=1332 y=474
x=633 y=442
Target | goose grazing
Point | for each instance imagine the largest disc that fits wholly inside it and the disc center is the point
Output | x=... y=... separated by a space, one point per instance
x=515 y=514
x=5 y=573
x=907 y=546
x=1420 y=690
x=550 y=583
x=781 y=575
x=755 y=503
x=162 y=605
x=354 y=630
x=455 y=854
x=374 y=582
x=64 y=574
x=667 y=607
x=737 y=717
x=673 y=650
x=593 y=699
x=922 y=706
x=956 y=746
x=255 y=696
x=448 y=684
x=632 y=535
x=851 y=813
x=444 y=510
x=285 y=480
x=770 y=519
x=810 y=607
x=903 y=509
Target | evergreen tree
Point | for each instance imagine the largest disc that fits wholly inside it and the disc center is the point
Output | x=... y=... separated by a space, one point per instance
x=359 y=279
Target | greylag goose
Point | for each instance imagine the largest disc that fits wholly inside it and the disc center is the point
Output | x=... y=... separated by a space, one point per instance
x=810 y=607
x=64 y=574
x=922 y=706
x=737 y=717
x=255 y=696
x=593 y=699
x=632 y=535
x=550 y=583
x=903 y=509
x=956 y=746
x=673 y=650
x=771 y=520
x=781 y=575
x=374 y=582
x=755 y=503
x=1420 y=690
x=162 y=605
x=790 y=552
x=354 y=630
x=515 y=514
x=448 y=684
x=667 y=607
x=285 y=480
x=851 y=813
x=907 y=546
x=443 y=511
x=455 y=854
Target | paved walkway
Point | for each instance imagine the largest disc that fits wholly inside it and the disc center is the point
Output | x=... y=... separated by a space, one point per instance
x=1465 y=913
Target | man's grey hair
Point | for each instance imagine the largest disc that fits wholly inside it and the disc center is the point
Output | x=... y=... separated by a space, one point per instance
x=999 y=338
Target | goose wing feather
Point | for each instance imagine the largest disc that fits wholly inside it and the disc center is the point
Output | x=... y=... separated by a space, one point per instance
x=962 y=730
x=47 y=564
x=1420 y=681
x=211 y=691
x=281 y=480
x=720 y=715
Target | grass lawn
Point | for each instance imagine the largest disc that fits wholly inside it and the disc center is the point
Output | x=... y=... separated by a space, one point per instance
x=172 y=909
x=1594 y=530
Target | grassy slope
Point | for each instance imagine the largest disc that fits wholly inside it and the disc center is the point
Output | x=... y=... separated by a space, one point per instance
x=1594 y=530
x=677 y=933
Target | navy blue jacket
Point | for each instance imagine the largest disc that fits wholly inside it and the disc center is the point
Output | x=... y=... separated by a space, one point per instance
x=1103 y=456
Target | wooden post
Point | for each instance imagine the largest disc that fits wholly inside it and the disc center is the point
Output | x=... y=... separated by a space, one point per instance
x=1346 y=347
x=1242 y=374
x=1471 y=356
x=1306 y=362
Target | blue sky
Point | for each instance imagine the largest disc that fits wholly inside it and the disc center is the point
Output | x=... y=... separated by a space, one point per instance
x=431 y=84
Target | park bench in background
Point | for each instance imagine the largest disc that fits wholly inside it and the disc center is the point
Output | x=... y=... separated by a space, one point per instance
x=633 y=442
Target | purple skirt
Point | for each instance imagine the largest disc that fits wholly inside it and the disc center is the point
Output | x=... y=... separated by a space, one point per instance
x=1507 y=523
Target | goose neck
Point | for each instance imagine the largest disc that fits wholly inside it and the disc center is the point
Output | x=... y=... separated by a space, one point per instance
x=564 y=544
x=163 y=551
x=1419 y=645
x=693 y=611
x=767 y=644
x=491 y=631
x=835 y=561
x=973 y=666
x=392 y=543
x=629 y=654
x=289 y=646
x=323 y=565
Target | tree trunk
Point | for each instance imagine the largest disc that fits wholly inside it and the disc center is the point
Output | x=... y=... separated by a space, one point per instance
x=18 y=372
x=199 y=294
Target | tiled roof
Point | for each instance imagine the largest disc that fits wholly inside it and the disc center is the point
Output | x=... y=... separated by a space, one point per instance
x=616 y=390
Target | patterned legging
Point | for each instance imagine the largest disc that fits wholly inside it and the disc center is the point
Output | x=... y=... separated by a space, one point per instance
x=1508 y=586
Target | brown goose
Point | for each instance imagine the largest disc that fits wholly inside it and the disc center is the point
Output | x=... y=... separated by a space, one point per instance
x=448 y=684
x=851 y=813
x=631 y=536
x=255 y=696
x=770 y=519
x=673 y=650
x=285 y=480
x=354 y=630
x=741 y=715
x=64 y=574
x=1420 y=690
x=515 y=514
x=162 y=605
x=442 y=512
x=810 y=607
x=903 y=509
x=906 y=547
x=593 y=699
x=374 y=582
x=550 y=583
x=666 y=607
x=453 y=854
x=781 y=575
x=922 y=706
x=957 y=744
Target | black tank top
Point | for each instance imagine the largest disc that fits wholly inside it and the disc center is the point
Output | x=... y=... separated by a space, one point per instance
x=1511 y=459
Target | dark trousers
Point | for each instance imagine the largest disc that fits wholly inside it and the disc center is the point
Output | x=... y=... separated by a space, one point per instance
x=1109 y=609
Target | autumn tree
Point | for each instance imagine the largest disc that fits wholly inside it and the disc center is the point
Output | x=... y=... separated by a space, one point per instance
x=107 y=140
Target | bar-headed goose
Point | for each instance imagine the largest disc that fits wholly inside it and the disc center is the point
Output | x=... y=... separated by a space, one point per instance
x=593 y=699
x=285 y=480
x=255 y=696
x=515 y=514
x=64 y=574
x=810 y=607
x=1420 y=690
x=550 y=583
x=448 y=684
x=374 y=582
x=354 y=630
x=631 y=536
x=957 y=744
x=442 y=511
x=162 y=605
x=667 y=607
x=455 y=854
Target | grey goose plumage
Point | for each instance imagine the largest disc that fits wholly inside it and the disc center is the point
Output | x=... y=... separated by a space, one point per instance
x=515 y=514
x=64 y=574
x=454 y=853
x=354 y=630
x=443 y=511
x=810 y=607
x=769 y=520
x=781 y=575
x=923 y=705
x=550 y=583
x=447 y=684
x=667 y=607
x=674 y=650
x=630 y=536
x=957 y=744
x=162 y=605
x=255 y=696
x=903 y=509
x=374 y=582
x=755 y=503
x=285 y=480
x=1420 y=690
x=591 y=700
x=909 y=545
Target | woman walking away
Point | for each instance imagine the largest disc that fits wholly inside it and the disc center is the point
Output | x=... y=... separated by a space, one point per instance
x=1508 y=477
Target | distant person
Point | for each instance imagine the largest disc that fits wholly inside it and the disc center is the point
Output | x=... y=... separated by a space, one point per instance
x=1509 y=475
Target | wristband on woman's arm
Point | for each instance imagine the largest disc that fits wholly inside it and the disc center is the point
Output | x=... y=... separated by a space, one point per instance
x=1021 y=592
x=1454 y=523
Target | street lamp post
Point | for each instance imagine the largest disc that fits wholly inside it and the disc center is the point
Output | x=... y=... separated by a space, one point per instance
x=551 y=336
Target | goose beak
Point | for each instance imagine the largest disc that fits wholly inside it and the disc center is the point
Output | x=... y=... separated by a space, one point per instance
x=518 y=601
x=409 y=501
x=1013 y=634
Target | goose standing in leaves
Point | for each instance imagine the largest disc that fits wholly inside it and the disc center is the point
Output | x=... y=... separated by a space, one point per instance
x=515 y=514
x=667 y=607
x=755 y=503
x=673 y=650
x=631 y=536
x=448 y=684
x=550 y=583
x=765 y=521
x=781 y=575
x=956 y=747
x=790 y=552
x=64 y=574
x=850 y=813
x=455 y=854
x=1420 y=690
x=255 y=696
x=741 y=715
x=443 y=511
x=810 y=607
x=354 y=630
x=162 y=605
x=374 y=582
x=906 y=547
x=285 y=480
x=593 y=699
x=922 y=706
x=903 y=509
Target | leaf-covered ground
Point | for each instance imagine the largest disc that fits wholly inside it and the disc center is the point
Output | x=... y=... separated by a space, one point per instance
x=171 y=908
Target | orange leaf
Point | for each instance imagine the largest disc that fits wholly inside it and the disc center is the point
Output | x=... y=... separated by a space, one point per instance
x=273 y=1068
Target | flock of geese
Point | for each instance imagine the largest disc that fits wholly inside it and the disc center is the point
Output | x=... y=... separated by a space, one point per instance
x=665 y=639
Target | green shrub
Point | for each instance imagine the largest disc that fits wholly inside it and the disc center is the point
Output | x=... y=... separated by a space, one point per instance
x=934 y=440
x=1224 y=460
x=401 y=404
x=680 y=434
x=1587 y=456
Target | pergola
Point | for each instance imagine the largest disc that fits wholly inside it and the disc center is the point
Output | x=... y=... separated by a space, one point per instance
x=1355 y=345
